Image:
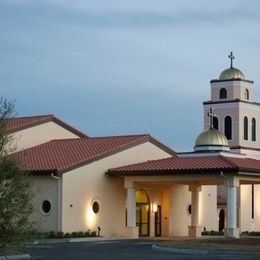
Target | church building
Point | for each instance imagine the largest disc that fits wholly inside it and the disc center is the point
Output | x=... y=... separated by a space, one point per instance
x=133 y=186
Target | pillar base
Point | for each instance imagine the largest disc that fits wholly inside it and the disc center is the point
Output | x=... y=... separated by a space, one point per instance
x=131 y=232
x=231 y=232
x=195 y=231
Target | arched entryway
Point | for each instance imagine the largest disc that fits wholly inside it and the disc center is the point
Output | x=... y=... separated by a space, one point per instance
x=142 y=212
x=221 y=223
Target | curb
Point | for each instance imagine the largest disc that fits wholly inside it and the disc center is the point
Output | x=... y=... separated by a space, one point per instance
x=75 y=240
x=11 y=257
x=180 y=250
x=93 y=239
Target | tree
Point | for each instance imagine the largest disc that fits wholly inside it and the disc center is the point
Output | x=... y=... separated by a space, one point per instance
x=15 y=192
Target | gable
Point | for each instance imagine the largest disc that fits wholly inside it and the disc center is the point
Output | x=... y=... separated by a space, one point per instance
x=65 y=154
x=27 y=132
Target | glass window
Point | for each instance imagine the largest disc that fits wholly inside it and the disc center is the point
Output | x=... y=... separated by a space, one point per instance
x=223 y=93
x=253 y=129
x=245 y=128
x=95 y=207
x=189 y=209
x=228 y=127
x=215 y=122
x=46 y=206
x=246 y=94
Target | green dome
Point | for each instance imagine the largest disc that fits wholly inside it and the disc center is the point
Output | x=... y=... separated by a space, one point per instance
x=213 y=139
x=231 y=73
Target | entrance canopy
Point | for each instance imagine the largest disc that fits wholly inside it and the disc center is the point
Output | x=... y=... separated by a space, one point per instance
x=194 y=171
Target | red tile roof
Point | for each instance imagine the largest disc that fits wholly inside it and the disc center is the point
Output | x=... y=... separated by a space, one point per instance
x=63 y=155
x=20 y=123
x=202 y=164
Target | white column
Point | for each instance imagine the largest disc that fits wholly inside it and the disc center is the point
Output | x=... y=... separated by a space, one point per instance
x=195 y=207
x=232 y=185
x=131 y=205
x=194 y=228
x=232 y=207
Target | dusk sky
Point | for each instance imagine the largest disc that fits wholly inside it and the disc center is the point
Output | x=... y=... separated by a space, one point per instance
x=125 y=67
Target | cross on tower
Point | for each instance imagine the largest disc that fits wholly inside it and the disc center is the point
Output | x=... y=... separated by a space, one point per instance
x=211 y=116
x=231 y=57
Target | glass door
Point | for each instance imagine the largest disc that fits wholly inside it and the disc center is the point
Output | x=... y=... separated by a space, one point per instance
x=142 y=219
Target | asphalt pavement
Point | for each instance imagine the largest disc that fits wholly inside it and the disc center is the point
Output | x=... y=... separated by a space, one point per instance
x=125 y=250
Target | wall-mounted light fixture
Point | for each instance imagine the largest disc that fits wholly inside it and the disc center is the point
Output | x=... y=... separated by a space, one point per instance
x=154 y=207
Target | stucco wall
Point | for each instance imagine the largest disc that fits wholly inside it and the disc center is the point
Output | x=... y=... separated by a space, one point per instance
x=45 y=188
x=237 y=111
x=245 y=208
x=208 y=208
x=40 y=134
x=257 y=207
x=179 y=219
x=88 y=183
x=235 y=90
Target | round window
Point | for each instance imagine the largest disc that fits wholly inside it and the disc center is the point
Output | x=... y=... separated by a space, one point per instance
x=95 y=207
x=46 y=206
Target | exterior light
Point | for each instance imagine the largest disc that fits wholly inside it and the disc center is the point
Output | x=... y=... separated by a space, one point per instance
x=154 y=207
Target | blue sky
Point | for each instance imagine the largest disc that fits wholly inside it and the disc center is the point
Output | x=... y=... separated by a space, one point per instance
x=124 y=67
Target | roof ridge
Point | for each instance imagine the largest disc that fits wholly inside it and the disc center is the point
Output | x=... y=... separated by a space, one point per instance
x=43 y=115
x=114 y=136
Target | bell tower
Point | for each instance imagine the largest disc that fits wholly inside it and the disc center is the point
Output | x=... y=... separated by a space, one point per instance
x=236 y=114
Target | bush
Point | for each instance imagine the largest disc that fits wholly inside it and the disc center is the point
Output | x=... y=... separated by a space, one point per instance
x=93 y=234
x=212 y=233
x=59 y=234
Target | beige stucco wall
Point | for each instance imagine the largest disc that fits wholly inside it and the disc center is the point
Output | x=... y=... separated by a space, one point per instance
x=88 y=183
x=237 y=111
x=257 y=208
x=235 y=90
x=180 y=199
x=208 y=214
x=45 y=188
x=39 y=134
x=245 y=208
x=179 y=219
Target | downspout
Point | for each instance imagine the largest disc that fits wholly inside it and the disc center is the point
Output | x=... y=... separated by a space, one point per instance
x=54 y=176
x=224 y=176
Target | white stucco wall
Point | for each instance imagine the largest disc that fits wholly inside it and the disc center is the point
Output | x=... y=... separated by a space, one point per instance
x=88 y=183
x=39 y=134
x=45 y=188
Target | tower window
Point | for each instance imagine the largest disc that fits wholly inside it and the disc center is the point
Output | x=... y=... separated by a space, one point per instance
x=215 y=122
x=228 y=127
x=245 y=128
x=223 y=93
x=246 y=94
x=253 y=129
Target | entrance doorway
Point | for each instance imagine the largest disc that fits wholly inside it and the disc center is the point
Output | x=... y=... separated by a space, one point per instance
x=142 y=213
x=221 y=224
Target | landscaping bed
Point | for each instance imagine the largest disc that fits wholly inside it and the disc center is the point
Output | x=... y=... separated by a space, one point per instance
x=241 y=244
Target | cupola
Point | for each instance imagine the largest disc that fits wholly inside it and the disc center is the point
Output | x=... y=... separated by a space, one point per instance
x=231 y=73
x=211 y=139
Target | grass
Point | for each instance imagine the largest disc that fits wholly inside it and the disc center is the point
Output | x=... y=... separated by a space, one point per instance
x=223 y=244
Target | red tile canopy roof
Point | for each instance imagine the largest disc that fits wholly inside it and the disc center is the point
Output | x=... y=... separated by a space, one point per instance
x=178 y=165
x=63 y=155
x=19 y=123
